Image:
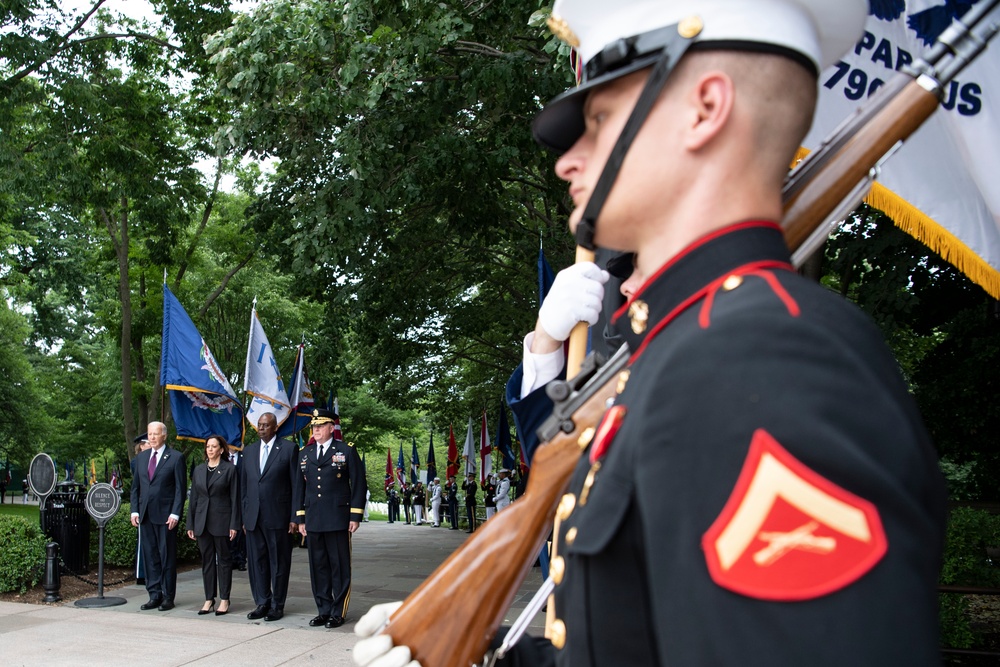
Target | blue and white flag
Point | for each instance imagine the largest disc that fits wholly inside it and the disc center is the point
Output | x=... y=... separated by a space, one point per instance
x=941 y=186
x=302 y=400
x=201 y=399
x=414 y=463
x=262 y=380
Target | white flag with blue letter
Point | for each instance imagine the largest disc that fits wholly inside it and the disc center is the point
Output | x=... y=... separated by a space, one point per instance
x=262 y=381
x=941 y=186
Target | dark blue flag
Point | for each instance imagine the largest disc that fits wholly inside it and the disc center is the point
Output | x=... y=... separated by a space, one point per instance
x=502 y=441
x=546 y=276
x=414 y=463
x=201 y=399
x=431 y=465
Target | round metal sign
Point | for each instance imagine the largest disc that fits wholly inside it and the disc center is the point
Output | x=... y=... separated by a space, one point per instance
x=42 y=475
x=102 y=502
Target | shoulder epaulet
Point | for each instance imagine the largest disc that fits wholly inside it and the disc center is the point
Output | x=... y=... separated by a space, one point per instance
x=350 y=444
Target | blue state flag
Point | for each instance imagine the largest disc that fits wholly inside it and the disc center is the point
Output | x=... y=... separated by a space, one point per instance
x=201 y=399
x=432 y=470
x=414 y=463
x=503 y=442
x=546 y=276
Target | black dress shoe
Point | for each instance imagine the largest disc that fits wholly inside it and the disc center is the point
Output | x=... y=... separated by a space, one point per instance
x=274 y=615
x=166 y=606
x=335 y=622
x=211 y=608
x=259 y=612
x=152 y=604
x=318 y=621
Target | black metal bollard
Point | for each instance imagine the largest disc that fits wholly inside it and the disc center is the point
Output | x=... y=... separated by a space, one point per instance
x=50 y=582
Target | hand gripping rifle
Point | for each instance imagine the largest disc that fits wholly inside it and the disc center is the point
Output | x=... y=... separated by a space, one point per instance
x=483 y=575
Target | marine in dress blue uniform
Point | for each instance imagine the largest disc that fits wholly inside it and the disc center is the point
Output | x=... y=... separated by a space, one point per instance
x=762 y=491
x=332 y=507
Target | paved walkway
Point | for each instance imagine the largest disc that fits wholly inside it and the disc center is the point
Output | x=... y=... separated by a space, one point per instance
x=389 y=562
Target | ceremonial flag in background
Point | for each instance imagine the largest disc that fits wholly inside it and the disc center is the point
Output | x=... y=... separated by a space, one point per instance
x=400 y=467
x=941 y=186
x=546 y=276
x=337 y=433
x=414 y=463
x=485 y=452
x=431 y=465
x=201 y=399
x=452 y=453
x=388 y=470
x=262 y=380
x=502 y=442
x=469 y=452
x=301 y=398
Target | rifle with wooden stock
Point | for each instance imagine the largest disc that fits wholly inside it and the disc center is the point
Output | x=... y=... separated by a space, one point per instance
x=449 y=620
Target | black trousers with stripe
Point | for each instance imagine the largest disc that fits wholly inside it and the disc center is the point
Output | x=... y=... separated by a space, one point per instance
x=330 y=571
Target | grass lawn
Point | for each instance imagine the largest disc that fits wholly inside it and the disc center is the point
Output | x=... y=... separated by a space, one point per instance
x=29 y=512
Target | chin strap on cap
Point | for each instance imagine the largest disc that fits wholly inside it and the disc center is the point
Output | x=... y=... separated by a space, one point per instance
x=676 y=47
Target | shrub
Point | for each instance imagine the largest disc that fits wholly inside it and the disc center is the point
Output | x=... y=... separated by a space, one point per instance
x=22 y=558
x=121 y=540
x=187 y=550
x=965 y=563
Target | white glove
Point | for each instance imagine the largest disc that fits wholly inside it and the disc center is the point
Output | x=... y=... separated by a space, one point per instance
x=576 y=296
x=378 y=650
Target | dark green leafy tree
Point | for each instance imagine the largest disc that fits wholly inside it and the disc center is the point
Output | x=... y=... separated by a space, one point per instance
x=410 y=194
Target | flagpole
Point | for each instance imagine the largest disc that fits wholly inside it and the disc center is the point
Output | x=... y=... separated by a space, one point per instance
x=578 y=336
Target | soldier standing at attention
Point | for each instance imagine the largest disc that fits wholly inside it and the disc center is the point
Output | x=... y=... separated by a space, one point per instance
x=470 y=487
x=763 y=490
x=333 y=504
x=407 y=502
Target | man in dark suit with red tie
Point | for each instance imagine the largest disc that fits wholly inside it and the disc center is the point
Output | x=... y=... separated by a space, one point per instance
x=270 y=486
x=333 y=504
x=158 y=490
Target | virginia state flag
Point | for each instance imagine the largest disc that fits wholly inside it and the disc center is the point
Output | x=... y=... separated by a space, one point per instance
x=201 y=399
x=262 y=380
x=302 y=400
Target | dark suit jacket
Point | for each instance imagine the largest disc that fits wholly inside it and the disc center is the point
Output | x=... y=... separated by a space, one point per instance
x=155 y=500
x=271 y=499
x=214 y=505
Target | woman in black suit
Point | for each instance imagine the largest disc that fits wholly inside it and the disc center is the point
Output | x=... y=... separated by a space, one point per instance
x=213 y=519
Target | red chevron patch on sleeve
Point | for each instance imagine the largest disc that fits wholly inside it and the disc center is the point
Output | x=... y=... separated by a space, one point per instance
x=787 y=533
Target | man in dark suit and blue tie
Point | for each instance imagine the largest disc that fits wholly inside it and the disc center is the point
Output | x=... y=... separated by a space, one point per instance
x=158 y=490
x=270 y=486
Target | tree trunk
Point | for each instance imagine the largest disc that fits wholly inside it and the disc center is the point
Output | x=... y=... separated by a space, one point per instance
x=120 y=241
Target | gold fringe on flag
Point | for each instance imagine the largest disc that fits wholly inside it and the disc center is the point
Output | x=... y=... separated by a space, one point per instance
x=935 y=236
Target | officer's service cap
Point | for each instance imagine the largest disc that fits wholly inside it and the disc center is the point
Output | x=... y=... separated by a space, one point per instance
x=322 y=416
x=615 y=39
x=144 y=437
